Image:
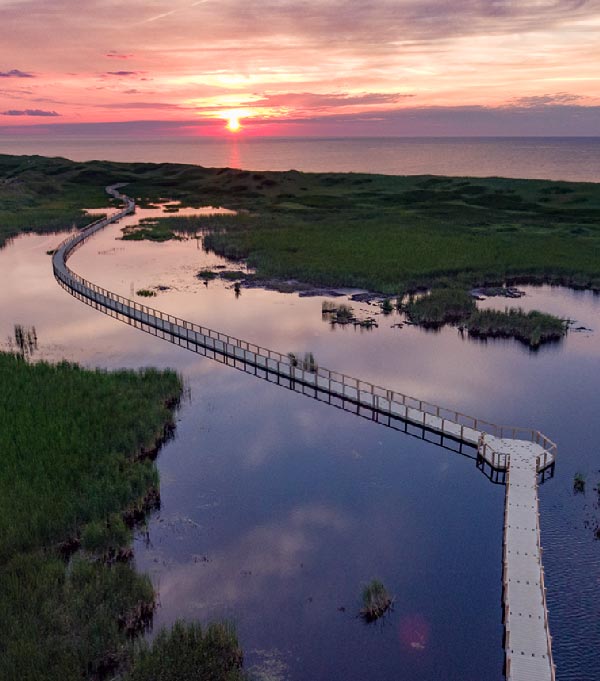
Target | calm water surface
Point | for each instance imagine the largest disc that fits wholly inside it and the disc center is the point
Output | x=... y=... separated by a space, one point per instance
x=276 y=509
x=555 y=158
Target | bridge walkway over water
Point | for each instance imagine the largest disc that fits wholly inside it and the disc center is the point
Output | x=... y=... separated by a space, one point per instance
x=515 y=456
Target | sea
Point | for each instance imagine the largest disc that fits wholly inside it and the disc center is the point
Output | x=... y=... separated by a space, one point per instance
x=555 y=158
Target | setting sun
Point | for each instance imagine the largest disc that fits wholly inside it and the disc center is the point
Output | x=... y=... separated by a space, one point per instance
x=233 y=123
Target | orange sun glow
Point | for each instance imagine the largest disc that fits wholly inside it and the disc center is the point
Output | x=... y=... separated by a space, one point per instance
x=233 y=123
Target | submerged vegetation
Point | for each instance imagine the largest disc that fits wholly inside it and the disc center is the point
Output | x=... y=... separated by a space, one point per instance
x=145 y=293
x=75 y=474
x=376 y=601
x=343 y=314
x=579 y=483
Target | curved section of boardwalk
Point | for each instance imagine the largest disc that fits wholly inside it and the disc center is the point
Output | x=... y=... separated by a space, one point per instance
x=519 y=454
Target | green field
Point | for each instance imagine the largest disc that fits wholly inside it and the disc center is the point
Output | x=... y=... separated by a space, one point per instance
x=385 y=233
x=74 y=475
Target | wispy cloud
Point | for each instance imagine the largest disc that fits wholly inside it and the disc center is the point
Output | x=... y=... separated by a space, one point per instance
x=311 y=101
x=28 y=112
x=143 y=105
x=16 y=73
x=546 y=100
x=123 y=74
x=112 y=54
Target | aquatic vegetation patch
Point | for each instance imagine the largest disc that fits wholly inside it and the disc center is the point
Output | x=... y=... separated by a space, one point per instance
x=189 y=652
x=532 y=328
x=456 y=306
x=376 y=601
x=578 y=483
x=441 y=306
x=343 y=314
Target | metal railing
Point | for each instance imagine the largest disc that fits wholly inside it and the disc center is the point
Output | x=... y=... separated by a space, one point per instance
x=500 y=459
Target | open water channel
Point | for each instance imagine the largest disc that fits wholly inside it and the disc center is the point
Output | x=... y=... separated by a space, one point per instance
x=276 y=509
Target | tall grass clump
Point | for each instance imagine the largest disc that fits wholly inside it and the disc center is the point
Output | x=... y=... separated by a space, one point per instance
x=441 y=306
x=579 y=483
x=376 y=601
x=190 y=653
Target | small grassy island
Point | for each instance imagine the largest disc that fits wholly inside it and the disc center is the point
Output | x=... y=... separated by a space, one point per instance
x=77 y=473
x=376 y=601
x=455 y=306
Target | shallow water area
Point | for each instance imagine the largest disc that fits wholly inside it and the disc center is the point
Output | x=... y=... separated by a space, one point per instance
x=276 y=509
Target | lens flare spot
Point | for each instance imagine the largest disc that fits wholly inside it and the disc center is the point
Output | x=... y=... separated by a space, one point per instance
x=413 y=631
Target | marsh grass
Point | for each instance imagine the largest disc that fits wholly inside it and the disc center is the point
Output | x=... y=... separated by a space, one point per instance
x=441 y=306
x=376 y=601
x=189 y=652
x=386 y=306
x=456 y=306
x=206 y=275
x=70 y=440
x=390 y=234
x=145 y=293
x=532 y=328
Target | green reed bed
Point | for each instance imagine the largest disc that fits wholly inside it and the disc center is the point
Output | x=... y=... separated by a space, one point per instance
x=190 y=652
x=532 y=328
x=441 y=306
x=455 y=306
x=71 y=441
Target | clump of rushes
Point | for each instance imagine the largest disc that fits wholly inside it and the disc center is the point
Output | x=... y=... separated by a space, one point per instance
x=579 y=483
x=337 y=314
x=206 y=275
x=532 y=328
x=441 y=306
x=145 y=293
x=386 y=306
x=188 y=653
x=376 y=601
x=307 y=363
x=344 y=314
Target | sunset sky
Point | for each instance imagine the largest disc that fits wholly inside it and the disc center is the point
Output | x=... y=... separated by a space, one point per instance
x=379 y=67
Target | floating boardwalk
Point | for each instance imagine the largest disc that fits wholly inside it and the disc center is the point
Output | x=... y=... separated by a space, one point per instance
x=514 y=456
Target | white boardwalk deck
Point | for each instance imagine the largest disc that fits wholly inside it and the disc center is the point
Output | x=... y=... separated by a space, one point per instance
x=528 y=643
x=521 y=453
